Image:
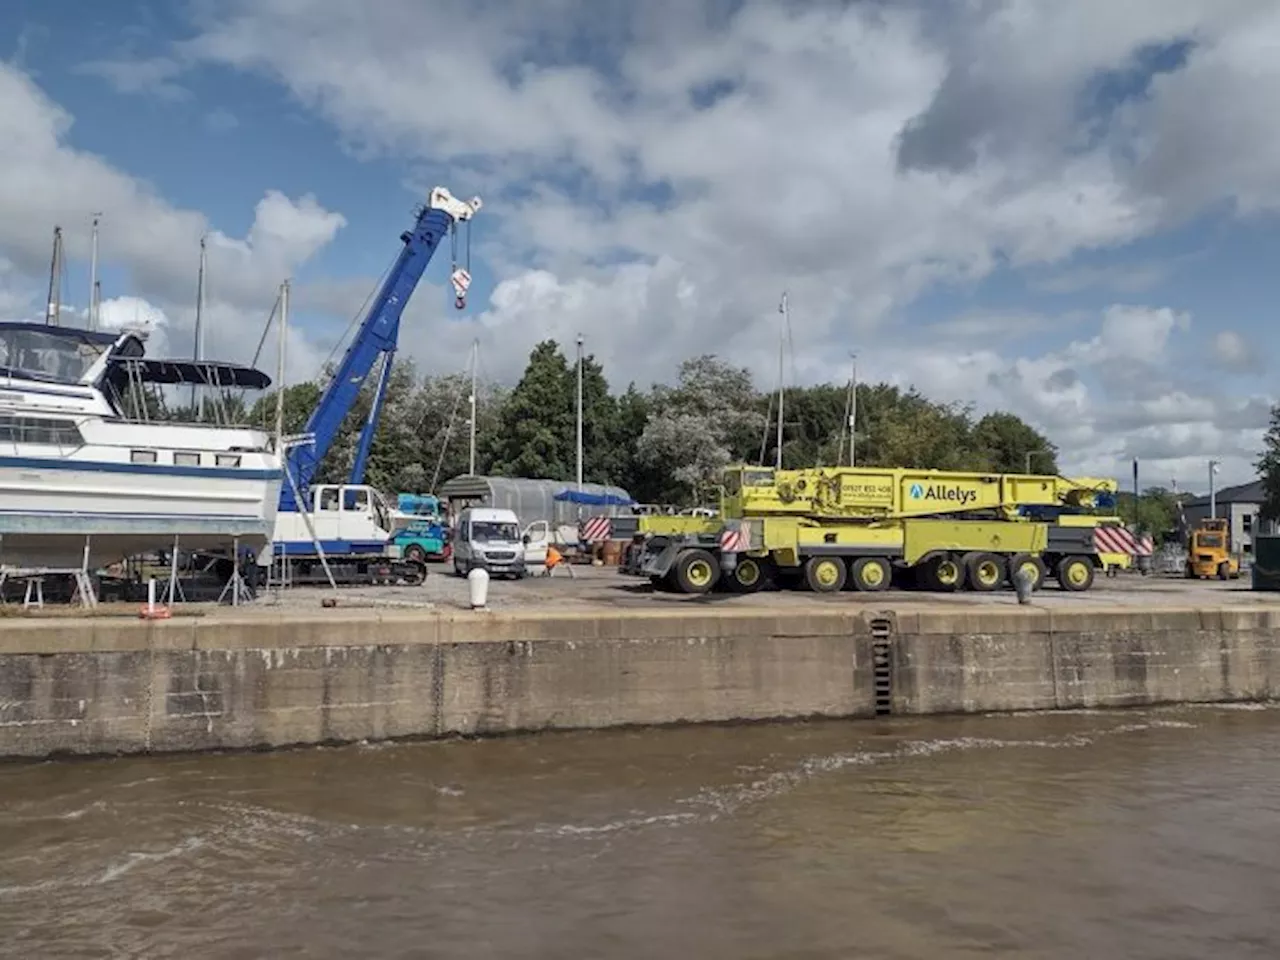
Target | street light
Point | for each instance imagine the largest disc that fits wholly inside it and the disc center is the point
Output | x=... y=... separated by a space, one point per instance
x=1213 y=496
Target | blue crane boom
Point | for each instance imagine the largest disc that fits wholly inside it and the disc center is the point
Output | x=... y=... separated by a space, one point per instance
x=376 y=337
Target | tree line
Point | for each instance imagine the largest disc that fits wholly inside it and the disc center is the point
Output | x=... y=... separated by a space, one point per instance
x=664 y=444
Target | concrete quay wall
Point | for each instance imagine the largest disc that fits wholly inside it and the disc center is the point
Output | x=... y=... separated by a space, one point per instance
x=101 y=685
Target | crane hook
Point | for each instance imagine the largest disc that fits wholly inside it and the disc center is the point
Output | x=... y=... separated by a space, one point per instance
x=461 y=280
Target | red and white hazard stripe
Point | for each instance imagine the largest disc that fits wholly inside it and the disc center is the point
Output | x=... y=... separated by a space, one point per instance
x=735 y=539
x=1115 y=539
x=595 y=529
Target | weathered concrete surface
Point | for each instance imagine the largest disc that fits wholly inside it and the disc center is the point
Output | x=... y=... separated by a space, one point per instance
x=102 y=685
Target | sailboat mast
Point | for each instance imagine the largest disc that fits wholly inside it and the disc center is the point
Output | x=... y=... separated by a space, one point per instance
x=475 y=352
x=284 y=335
x=197 y=396
x=54 y=315
x=93 y=276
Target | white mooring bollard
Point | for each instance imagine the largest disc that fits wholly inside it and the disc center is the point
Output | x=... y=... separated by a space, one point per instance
x=478 y=587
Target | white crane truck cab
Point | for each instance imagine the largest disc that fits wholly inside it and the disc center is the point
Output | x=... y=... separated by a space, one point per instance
x=491 y=538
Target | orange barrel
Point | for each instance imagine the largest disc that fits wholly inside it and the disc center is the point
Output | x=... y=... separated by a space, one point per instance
x=612 y=553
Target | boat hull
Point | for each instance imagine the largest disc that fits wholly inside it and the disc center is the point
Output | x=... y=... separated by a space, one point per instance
x=48 y=513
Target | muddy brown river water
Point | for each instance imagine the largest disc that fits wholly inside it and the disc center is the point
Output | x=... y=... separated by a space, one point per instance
x=1139 y=834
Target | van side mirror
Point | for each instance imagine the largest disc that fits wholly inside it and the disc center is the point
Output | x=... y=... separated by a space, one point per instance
x=525 y=539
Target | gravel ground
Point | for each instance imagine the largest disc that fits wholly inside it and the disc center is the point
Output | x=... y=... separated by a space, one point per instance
x=597 y=587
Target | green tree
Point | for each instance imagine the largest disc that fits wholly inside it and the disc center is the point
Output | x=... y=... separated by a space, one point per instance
x=299 y=400
x=708 y=420
x=536 y=427
x=898 y=428
x=1007 y=443
x=1268 y=467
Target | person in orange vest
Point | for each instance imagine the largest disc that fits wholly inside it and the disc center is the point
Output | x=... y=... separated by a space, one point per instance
x=556 y=559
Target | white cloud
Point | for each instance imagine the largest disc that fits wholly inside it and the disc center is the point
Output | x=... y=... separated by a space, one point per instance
x=656 y=177
x=48 y=182
x=152 y=75
x=1233 y=352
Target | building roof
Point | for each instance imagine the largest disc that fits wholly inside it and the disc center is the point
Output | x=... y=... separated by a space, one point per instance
x=1243 y=493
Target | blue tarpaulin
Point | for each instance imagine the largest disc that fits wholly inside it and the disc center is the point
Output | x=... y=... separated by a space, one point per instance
x=593 y=499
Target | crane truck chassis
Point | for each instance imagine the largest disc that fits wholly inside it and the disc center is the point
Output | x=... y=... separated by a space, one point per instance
x=836 y=528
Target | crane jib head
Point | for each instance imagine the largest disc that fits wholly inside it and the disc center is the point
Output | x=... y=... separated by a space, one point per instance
x=442 y=199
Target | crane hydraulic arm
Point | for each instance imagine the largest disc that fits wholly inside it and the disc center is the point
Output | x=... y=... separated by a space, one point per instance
x=377 y=337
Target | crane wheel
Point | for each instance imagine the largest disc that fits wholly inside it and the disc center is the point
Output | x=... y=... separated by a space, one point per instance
x=825 y=574
x=871 y=574
x=943 y=574
x=985 y=572
x=1075 y=574
x=696 y=571
x=1032 y=564
x=750 y=575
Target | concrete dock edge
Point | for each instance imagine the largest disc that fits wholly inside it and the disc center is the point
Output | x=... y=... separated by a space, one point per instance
x=101 y=685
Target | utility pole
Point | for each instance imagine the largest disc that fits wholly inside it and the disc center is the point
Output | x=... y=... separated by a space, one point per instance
x=197 y=395
x=93 y=275
x=1213 y=496
x=782 y=342
x=1137 y=497
x=54 y=303
x=853 y=403
x=475 y=354
x=579 y=412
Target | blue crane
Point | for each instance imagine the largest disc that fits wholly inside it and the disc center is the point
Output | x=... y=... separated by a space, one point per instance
x=377 y=337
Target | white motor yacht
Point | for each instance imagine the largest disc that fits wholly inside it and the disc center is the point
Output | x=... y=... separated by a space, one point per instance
x=80 y=469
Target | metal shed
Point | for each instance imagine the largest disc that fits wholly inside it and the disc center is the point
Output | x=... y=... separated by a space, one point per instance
x=534 y=500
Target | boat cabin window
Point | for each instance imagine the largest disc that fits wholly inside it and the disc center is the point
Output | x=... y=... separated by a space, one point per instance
x=47 y=356
x=44 y=430
x=228 y=459
x=182 y=458
x=142 y=456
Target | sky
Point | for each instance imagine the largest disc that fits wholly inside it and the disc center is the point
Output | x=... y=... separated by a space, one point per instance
x=1067 y=211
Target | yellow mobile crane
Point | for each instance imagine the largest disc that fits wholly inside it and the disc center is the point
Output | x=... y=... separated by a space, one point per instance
x=832 y=527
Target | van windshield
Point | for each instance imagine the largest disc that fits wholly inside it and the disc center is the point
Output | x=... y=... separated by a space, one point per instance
x=486 y=531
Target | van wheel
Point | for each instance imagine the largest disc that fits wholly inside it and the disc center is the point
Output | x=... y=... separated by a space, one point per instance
x=459 y=570
x=825 y=574
x=696 y=571
x=415 y=553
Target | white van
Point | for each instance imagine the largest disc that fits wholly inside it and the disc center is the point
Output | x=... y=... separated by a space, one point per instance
x=491 y=538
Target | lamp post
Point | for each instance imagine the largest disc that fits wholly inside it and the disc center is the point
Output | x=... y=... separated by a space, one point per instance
x=1213 y=495
x=579 y=412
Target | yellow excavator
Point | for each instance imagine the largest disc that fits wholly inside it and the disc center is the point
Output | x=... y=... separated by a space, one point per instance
x=1209 y=552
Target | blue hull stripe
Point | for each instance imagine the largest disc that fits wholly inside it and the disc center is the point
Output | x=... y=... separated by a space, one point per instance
x=332 y=548
x=140 y=469
x=106 y=515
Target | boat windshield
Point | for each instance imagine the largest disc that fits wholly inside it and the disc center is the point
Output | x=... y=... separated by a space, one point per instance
x=53 y=355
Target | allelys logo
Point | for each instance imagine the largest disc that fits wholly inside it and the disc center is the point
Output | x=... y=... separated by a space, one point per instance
x=956 y=495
